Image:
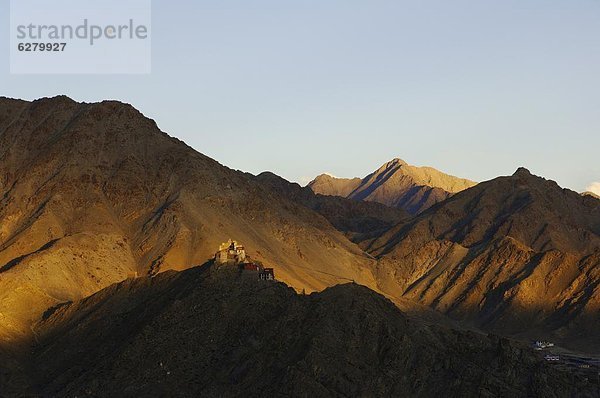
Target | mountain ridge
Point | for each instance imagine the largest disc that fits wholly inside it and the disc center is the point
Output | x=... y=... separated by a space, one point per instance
x=90 y=193
x=509 y=249
x=357 y=219
x=255 y=338
x=395 y=184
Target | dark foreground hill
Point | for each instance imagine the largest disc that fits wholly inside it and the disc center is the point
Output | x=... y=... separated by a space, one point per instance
x=213 y=333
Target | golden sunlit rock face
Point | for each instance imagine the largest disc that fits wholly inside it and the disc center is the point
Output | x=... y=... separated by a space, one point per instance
x=92 y=193
x=395 y=184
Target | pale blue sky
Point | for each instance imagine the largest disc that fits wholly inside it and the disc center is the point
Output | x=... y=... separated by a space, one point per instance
x=474 y=88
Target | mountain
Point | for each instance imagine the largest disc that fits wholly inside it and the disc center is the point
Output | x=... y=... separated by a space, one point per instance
x=518 y=255
x=326 y=184
x=395 y=184
x=593 y=195
x=358 y=220
x=213 y=332
x=99 y=208
x=91 y=194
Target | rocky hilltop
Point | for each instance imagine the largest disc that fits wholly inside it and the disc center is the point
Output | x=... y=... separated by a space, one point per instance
x=517 y=254
x=215 y=333
x=593 y=195
x=93 y=193
x=396 y=184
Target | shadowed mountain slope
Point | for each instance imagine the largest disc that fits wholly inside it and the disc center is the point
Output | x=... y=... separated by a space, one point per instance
x=214 y=333
x=357 y=219
x=92 y=193
x=516 y=254
x=395 y=184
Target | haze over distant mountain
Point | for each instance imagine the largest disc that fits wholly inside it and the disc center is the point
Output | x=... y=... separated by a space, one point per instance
x=516 y=254
x=395 y=184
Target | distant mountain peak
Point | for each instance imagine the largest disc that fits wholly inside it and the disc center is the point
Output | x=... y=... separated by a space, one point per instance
x=329 y=175
x=591 y=194
x=397 y=161
x=509 y=244
x=56 y=100
x=522 y=171
x=397 y=184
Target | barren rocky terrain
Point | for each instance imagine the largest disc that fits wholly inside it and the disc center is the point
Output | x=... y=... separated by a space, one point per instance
x=215 y=333
x=518 y=255
x=359 y=220
x=100 y=211
x=593 y=195
x=395 y=184
x=91 y=193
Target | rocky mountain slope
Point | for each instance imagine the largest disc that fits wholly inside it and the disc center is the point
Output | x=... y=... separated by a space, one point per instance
x=92 y=193
x=214 y=333
x=358 y=220
x=395 y=184
x=593 y=195
x=517 y=254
